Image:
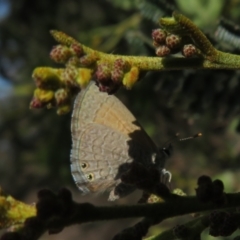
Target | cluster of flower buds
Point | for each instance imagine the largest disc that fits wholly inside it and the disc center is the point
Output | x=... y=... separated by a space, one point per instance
x=137 y=232
x=62 y=53
x=210 y=191
x=110 y=76
x=167 y=43
x=56 y=87
x=77 y=61
x=53 y=210
x=222 y=223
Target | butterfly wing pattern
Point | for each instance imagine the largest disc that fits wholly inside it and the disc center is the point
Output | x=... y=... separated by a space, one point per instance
x=106 y=138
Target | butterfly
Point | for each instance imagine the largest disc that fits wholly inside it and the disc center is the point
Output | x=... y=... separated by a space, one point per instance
x=106 y=139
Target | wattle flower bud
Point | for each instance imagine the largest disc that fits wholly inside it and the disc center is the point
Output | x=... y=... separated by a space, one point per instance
x=60 y=54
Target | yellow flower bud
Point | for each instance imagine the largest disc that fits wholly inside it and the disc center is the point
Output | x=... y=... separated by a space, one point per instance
x=63 y=109
x=84 y=77
x=43 y=95
x=131 y=77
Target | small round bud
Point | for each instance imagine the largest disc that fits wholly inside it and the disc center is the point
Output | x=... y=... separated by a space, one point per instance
x=77 y=49
x=173 y=41
x=73 y=62
x=61 y=96
x=218 y=193
x=43 y=95
x=120 y=64
x=163 y=51
x=69 y=75
x=219 y=184
x=222 y=223
x=159 y=36
x=229 y=225
x=87 y=60
x=204 y=180
x=36 y=103
x=153 y=198
x=216 y=218
x=48 y=207
x=204 y=192
x=119 y=67
x=63 y=109
x=108 y=86
x=189 y=50
x=60 y=54
x=117 y=75
x=131 y=77
x=103 y=72
x=65 y=195
x=180 y=231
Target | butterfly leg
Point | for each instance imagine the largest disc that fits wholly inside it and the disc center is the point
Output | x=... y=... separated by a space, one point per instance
x=121 y=190
x=166 y=176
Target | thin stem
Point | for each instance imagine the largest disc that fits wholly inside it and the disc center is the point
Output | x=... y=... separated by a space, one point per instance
x=173 y=207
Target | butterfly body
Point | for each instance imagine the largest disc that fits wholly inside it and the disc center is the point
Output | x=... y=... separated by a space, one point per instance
x=106 y=139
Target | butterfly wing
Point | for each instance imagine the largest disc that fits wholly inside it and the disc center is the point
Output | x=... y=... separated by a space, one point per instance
x=101 y=155
x=106 y=138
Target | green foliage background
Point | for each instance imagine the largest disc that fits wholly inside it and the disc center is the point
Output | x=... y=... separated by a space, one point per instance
x=35 y=145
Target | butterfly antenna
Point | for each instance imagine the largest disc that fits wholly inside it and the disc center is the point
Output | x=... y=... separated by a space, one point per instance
x=191 y=137
x=171 y=140
x=167 y=146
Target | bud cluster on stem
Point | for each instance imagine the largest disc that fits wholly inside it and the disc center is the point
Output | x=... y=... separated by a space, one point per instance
x=57 y=87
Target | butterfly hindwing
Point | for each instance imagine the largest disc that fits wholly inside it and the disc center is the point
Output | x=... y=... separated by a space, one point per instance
x=106 y=139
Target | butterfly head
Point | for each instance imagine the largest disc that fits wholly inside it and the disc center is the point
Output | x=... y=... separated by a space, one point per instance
x=159 y=158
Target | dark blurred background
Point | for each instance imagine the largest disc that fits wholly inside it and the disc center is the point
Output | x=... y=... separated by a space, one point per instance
x=35 y=144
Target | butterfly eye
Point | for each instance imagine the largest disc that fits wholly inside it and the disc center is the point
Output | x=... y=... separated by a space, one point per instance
x=83 y=165
x=90 y=177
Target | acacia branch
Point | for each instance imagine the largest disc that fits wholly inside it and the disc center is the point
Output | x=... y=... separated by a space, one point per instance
x=57 y=87
x=56 y=211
